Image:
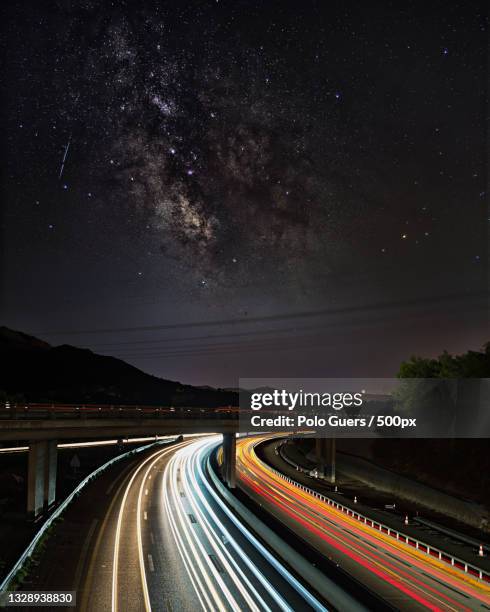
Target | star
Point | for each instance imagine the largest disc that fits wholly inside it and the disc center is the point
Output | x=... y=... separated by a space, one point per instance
x=208 y=128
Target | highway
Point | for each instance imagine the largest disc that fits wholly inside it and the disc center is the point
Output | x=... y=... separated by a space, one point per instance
x=402 y=576
x=168 y=542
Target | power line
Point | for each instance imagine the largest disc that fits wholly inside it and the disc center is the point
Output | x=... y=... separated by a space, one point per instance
x=380 y=306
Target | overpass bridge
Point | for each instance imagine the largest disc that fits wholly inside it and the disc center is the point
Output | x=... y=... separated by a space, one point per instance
x=43 y=425
x=31 y=422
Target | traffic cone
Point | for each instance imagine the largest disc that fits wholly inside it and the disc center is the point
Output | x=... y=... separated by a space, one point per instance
x=406 y=519
x=480 y=552
x=355 y=499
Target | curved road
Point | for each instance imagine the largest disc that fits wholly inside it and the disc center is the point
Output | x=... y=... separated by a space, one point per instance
x=405 y=578
x=168 y=542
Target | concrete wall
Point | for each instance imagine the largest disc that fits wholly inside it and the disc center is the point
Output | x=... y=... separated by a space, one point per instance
x=405 y=488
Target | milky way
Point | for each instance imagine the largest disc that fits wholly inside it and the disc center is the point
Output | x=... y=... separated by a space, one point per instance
x=219 y=148
x=217 y=157
x=241 y=158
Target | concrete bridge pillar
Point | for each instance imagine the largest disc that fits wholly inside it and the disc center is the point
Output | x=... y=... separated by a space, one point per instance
x=325 y=458
x=50 y=473
x=229 y=459
x=41 y=476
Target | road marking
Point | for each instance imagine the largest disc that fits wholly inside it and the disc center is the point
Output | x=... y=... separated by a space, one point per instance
x=156 y=457
x=118 y=532
x=119 y=526
x=145 y=516
x=217 y=563
x=86 y=591
x=150 y=563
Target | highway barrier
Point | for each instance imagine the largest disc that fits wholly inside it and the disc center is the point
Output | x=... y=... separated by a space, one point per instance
x=323 y=585
x=456 y=562
x=60 y=509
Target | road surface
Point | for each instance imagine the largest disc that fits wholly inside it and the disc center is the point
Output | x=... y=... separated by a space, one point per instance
x=405 y=578
x=167 y=542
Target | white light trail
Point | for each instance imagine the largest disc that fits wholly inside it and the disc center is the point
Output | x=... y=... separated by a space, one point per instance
x=186 y=559
x=158 y=454
x=264 y=552
x=194 y=548
x=92 y=443
x=235 y=573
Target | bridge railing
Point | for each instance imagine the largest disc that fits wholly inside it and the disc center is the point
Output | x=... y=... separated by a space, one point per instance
x=53 y=411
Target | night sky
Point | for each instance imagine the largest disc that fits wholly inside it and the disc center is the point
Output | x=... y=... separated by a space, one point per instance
x=222 y=188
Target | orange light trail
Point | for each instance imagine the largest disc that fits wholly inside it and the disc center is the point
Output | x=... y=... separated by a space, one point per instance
x=387 y=559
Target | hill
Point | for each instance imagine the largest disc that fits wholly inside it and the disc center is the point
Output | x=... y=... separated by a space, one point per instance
x=35 y=371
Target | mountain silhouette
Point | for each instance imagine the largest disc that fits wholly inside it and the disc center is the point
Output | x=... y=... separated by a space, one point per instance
x=35 y=371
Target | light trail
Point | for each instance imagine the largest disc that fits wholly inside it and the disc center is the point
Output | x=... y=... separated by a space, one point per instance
x=198 y=461
x=182 y=537
x=238 y=577
x=216 y=538
x=158 y=455
x=92 y=443
x=96 y=443
x=240 y=584
x=195 y=542
x=388 y=560
x=186 y=559
x=208 y=538
x=144 y=582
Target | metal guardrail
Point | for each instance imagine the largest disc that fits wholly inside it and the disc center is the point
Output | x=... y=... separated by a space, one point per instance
x=453 y=534
x=34 y=411
x=456 y=562
x=324 y=585
x=59 y=510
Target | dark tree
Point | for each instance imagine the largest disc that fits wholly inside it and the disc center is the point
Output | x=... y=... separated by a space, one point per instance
x=473 y=364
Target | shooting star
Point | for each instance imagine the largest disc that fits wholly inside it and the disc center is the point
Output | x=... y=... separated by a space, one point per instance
x=64 y=157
